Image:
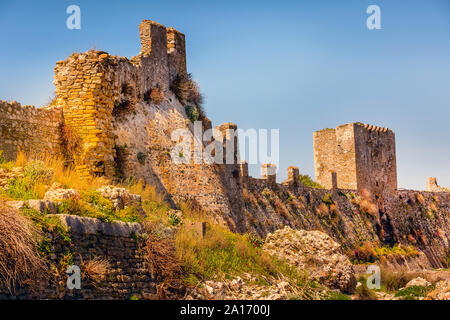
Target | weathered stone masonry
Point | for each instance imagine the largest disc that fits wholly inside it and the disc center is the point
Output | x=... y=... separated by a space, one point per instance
x=104 y=100
x=93 y=87
x=28 y=129
x=362 y=156
x=118 y=243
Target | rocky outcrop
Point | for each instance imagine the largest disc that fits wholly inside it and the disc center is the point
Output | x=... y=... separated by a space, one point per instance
x=419 y=281
x=442 y=291
x=60 y=194
x=120 y=197
x=248 y=287
x=314 y=252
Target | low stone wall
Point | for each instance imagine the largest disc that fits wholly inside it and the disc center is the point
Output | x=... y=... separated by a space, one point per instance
x=119 y=243
x=29 y=129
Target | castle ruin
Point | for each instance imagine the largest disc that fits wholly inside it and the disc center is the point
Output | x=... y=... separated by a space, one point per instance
x=103 y=112
x=362 y=157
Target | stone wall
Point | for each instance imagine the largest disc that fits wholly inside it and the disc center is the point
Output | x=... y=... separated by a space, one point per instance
x=87 y=91
x=363 y=157
x=95 y=88
x=118 y=243
x=421 y=219
x=35 y=131
x=433 y=186
x=334 y=151
x=376 y=160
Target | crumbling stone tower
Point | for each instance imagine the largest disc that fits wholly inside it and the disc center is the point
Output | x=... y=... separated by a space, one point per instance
x=93 y=87
x=361 y=155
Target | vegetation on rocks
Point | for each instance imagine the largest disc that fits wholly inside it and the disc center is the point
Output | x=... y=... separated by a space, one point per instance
x=309 y=182
x=369 y=253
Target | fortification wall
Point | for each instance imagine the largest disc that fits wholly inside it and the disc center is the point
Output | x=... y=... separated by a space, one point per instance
x=118 y=243
x=145 y=138
x=375 y=159
x=334 y=151
x=421 y=219
x=86 y=90
x=29 y=129
x=433 y=186
x=324 y=155
x=363 y=157
x=95 y=88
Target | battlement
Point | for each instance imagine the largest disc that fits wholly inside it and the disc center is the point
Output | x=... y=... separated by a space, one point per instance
x=361 y=155
x=269 y=173
x=163 y=52
x=373 y=128
x=432 y=186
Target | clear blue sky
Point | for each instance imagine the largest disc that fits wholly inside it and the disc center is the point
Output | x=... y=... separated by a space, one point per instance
x=299 y=66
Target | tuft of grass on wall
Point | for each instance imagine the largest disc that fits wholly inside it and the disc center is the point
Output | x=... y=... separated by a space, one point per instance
x=309 y=182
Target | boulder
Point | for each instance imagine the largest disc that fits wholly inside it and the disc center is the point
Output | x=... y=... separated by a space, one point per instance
x=60 y=194
x=314 y=252
x=418 y=282
x=120 y=197
x=442 y=291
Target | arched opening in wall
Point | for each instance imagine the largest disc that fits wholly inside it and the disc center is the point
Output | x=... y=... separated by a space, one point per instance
x=235 y=174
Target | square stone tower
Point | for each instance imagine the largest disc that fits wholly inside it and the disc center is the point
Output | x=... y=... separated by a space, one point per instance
x=361 y=155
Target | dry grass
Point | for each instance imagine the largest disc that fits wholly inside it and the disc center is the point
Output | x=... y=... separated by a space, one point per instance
x=95 y=270
x=371 y=252
x=164 y=265
x=156 y=96
x=71 y=141
x=20 y=263
x=56 y=171
x=394 y=280
x=362 y=292
x=420 y=198
x=187 y=90
x=147 y=192
x=366 y=204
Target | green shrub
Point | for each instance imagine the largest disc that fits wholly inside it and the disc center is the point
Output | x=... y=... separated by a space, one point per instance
x=309 y=182
x=35 y=173
x=192 y=113
x=45 y=223
x=369 y=253
x=21 y=189
x=128 y=214
x=141 y=157
x=222 y=253
x=37 y=169
x=336 y=295
x=328 y=200
x=174 y=220
x=414 y=292
x=77 y=207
